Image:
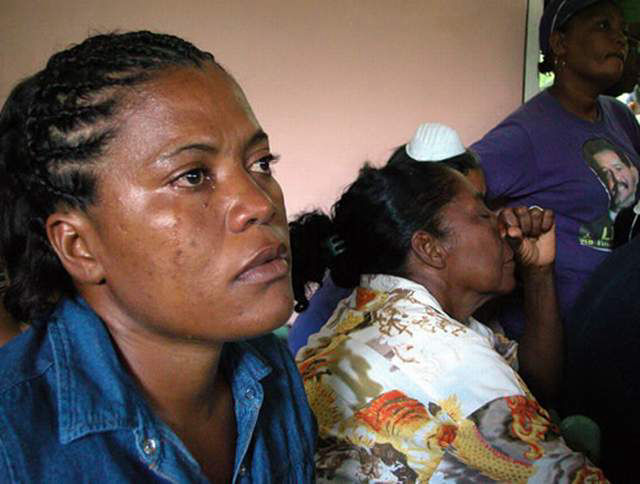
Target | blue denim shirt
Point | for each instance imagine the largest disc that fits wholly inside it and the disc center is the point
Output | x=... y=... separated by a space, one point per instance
x=70 y=411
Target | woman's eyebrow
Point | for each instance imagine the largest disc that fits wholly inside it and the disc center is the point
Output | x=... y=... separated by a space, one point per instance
x=257 y=137
x=164 y=158
x=193 y=146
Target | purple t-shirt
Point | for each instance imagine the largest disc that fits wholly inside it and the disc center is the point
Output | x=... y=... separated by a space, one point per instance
x=586 y=172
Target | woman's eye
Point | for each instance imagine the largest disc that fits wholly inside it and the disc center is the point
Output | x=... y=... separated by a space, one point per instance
x=263 y=165
x=191 y=179
x=603 y=25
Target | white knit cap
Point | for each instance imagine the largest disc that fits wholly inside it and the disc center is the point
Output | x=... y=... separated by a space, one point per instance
x=434 y=142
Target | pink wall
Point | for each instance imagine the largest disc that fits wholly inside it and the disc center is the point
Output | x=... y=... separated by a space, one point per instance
x=334 y=82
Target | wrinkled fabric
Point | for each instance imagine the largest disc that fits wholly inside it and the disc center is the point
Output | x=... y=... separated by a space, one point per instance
x=404 y=393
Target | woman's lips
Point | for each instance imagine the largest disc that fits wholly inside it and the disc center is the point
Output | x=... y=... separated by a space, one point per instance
x=266 y=265
x=619 y=56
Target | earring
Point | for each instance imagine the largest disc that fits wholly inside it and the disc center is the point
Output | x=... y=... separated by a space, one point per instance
x=559 y=64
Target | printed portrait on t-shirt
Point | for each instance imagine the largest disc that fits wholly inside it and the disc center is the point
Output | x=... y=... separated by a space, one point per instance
x=619 y=177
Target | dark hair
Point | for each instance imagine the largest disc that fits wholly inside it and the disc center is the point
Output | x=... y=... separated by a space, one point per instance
x=3 y=280
x=463 y=163
x=53 y=128
x=371 y=225
x=548 y=62
x=597 y=145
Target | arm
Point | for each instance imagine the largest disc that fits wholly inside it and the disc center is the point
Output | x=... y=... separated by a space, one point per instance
x=532 y=232
x=508 y=162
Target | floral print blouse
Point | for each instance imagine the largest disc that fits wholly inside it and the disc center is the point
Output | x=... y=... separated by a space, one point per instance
x=404 y=393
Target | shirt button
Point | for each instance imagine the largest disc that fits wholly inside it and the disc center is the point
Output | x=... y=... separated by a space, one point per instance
x=243 y=470
x=150 y=446
x=249 y=394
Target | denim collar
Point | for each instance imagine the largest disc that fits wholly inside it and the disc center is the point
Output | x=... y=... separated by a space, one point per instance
x=95 y=392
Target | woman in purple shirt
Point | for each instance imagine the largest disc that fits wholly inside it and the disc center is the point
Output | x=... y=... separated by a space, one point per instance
x=542 y=154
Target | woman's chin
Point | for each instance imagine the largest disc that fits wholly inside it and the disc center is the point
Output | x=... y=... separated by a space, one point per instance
x=268 y=311
x=271 y=317
x=277 y=318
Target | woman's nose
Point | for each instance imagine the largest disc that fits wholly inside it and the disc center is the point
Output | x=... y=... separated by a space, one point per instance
x=252 y=204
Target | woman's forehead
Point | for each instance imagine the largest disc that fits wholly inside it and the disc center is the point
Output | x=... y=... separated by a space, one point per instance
x=187 y=86
x=185 y=103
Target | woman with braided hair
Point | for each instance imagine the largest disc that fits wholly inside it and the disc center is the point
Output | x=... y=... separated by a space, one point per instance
x=146 y=240
x=406 y=385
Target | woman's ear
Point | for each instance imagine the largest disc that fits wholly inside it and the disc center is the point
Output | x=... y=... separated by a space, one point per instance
x=557 y=44
x=70 y=235
x=429 y=249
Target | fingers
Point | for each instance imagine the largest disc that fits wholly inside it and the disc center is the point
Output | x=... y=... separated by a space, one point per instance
x=548 y=219
x=509 y=224
x=508 y=217
x=542 y=220
x=529 y=220
x=526 y=222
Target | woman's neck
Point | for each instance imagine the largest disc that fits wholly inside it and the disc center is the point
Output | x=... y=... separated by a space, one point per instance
x=458 y=304
x=187 y=389
x=577 y=97
x=176 y=374
x=177 y=377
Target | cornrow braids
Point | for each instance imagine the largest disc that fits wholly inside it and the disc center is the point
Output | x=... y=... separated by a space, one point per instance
x=53 y=128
